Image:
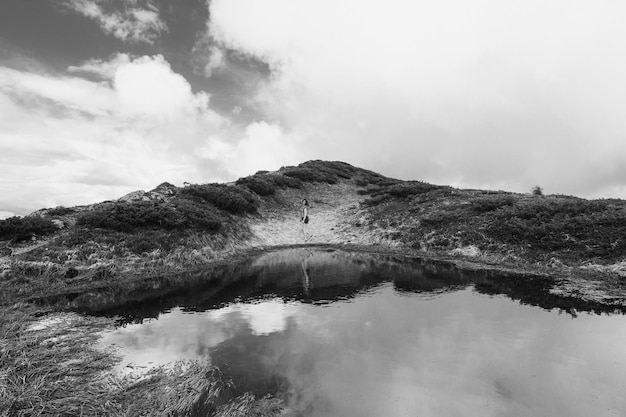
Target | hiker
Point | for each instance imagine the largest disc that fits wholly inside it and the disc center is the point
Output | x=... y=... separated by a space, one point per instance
x=304 y=220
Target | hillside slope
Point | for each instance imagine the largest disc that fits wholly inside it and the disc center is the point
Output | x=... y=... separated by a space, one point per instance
x=78 y=251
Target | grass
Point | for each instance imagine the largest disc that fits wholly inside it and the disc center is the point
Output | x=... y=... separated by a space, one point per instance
x=50 y=368
x=18 y=229
x=525 y=227
x=53 y=371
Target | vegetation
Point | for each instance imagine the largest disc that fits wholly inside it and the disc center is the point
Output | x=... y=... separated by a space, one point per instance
x=129 y=216
x=19 y=229
x=51 y=368
x=320 y=171
x=524 y=227
x=60 y=211
x=127 y=251
x=259 y=184
x=231 y=199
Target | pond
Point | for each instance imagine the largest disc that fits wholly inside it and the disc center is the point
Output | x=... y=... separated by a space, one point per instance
x=339 y=333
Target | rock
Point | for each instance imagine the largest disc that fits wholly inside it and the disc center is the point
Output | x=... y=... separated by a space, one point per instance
x=133 y=196
x=162 y=192
x=58 y=223
x=469 y=251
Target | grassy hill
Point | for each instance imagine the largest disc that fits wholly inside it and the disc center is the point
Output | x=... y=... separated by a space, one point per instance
x=76 y=250
x=112 y=252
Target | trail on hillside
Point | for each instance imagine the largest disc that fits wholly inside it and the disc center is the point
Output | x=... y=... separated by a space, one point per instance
x=334 y=218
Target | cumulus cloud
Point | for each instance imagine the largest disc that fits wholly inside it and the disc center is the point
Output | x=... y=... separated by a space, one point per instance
x=494 y=94
x=69 y=140
x=133 y=24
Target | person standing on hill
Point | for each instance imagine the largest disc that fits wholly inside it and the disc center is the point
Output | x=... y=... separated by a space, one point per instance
x=304 y=220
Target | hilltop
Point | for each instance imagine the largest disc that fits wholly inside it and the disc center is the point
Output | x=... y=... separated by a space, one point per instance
x=70 y=254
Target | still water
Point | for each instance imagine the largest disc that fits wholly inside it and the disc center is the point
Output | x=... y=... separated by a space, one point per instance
x=346 y=334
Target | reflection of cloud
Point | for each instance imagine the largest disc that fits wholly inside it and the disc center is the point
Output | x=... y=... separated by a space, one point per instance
x=263 y=318
x=174 y=336
x=382 y=354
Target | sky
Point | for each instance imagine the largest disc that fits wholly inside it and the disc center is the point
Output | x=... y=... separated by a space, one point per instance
x=99 y=98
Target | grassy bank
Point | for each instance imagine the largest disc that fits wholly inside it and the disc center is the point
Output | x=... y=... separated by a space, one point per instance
x=98 y=256
x=50 y=367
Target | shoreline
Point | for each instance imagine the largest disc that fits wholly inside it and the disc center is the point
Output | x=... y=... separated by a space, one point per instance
x=34 y=333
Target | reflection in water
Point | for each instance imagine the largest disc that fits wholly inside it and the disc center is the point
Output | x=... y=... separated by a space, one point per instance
x=342 y=334
x=306 y=283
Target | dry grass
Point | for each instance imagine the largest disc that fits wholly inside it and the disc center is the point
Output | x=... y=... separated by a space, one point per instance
x=50 y=367
x=53 y=370
x=618 y=268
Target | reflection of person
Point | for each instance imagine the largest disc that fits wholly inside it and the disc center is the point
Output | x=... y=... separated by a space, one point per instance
x=304 y=220
x=305 y=265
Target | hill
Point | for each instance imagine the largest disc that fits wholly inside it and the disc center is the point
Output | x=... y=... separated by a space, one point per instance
x=566 y=252
x=72 y=254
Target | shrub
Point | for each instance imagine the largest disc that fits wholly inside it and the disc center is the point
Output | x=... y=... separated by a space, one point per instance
x=126 y=216
x=60 y=211
x=410 y=188
x=259 y=185
x=129 y=216
x=492 y=202
x=198 y=216
x=232 y=199
x=310 y=175
x=282 y=181
x=22 y=228
x=361 y=182
x=537 y=190
x=335 y=169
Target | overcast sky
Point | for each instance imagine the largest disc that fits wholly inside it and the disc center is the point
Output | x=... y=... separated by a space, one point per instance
x=102 y=97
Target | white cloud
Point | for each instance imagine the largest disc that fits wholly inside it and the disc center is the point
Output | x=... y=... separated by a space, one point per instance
x=497 y=94
x=132 y=24
x=264 y=146
x=102 y=68
x=68 y=141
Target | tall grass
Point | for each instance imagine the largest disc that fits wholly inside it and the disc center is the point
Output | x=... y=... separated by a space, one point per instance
x=51 y=368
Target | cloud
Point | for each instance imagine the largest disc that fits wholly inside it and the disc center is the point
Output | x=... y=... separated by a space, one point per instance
x=69 y=140
x=494 y=94
x=263 y=146
x=207 y=56
x=132 y=24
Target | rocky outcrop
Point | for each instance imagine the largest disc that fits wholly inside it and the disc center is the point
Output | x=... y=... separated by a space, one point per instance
x=139 y=195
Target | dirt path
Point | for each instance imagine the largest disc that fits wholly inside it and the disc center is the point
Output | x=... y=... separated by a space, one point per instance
x=334 y=216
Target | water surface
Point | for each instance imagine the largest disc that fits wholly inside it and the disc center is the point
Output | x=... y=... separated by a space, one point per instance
x=345 y=334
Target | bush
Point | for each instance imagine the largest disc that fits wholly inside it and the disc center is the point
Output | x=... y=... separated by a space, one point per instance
x=259 y=185
x=410 y=188
x=537 y=190
x=492 y=202
x=232 y=199
x=198 y=216
x=130 y=216
x=310 y=175
x=588 y=226
x=334 y=169
x=23 y=228
x=282 y=181
x=126 y=216
x=60 y=211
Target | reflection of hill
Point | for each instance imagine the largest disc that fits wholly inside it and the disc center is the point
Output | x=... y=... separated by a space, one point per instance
x=322 y=276
x=332 y=275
